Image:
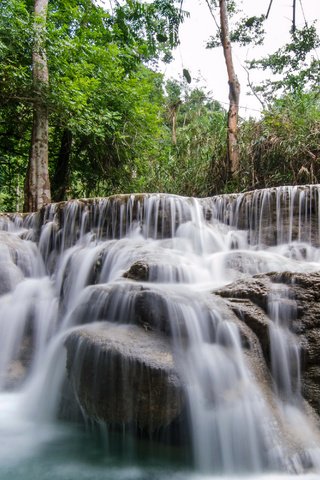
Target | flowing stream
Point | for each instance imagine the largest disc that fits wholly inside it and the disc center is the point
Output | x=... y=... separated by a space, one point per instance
x=65 y=268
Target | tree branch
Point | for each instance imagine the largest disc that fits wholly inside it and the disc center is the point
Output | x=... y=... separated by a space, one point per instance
x=212 y=14
x=269 y=8
x=252 y=87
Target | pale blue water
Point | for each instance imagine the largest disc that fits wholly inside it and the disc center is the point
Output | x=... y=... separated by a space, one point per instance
x=59 y=451
x=64 y=452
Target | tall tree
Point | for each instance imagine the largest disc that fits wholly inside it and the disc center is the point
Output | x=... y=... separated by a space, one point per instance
x=234 y=91
x=37 y=184
x=224 y=38
x=174 y=101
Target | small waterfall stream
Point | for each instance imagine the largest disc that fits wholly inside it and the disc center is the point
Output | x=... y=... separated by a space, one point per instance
x=152 y=263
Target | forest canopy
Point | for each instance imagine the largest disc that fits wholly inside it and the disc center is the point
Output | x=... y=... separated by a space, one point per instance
x=114 y=124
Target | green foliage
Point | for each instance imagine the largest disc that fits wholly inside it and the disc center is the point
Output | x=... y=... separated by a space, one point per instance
x=107 y=99
x=13 y=149
x=249 y=30
x=284 y=147
x=244 y=30
x=153 y=26
x=101 y=90
x=196 y=161
x=15 y=51
x=119 y=159
x=15 y=116
x=294 y=67
x=296 y=62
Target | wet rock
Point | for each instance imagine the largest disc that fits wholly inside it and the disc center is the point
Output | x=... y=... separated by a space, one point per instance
x=15 y=375
x=147 y=306
x=245 y=262
x=256 y=289
x=161 y=266
x=153 y=215
x=10 y=276
x=18 y=369
x=256 y=319
x=138 y=271
x=20 y=252
x=124 y=375
x=311 y=346
x=311 y=386
x=130 y=302
x=249 y=300
x=272 y=215
x=11 y=242
x=151 y=310
x=114 y=301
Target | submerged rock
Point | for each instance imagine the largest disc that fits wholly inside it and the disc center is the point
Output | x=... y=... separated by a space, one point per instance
x=123 y=375
x=19 y=368
x=163 y=268
x=10 y=276
x=21 y=253
x=127 y=302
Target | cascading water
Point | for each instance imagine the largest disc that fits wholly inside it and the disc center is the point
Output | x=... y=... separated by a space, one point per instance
x=286 y=367
x=149 y=264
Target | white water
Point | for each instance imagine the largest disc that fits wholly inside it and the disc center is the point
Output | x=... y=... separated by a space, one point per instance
x=234 y=431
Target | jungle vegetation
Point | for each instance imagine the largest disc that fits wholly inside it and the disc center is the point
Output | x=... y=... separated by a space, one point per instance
x=86 y=78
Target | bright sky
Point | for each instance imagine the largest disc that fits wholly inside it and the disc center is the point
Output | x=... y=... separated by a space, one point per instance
x=209 y=66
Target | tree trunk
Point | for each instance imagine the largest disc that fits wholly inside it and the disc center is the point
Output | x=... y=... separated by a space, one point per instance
x=234 y=93
x=37 y=184
x=174 y=127
x=60 y=180
x=294 y=16
x=174 y=107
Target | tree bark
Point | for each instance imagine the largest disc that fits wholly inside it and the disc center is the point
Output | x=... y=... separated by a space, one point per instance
x=174 y=127
x=174 y=107
x=234 y=93
x=294 y=16
x=37 y=184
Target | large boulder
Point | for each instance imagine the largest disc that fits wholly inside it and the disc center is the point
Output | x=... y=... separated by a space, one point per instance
x=125 y=376
x=250 y=301
x=131 y=302
x=146 y=305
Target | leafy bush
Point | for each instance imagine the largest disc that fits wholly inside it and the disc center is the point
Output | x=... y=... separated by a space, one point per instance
x=284 y=146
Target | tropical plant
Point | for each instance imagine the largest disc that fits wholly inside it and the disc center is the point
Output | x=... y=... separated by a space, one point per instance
x=284 y=146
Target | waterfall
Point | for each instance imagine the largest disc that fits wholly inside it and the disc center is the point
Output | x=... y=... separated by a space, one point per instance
x=85 y=283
